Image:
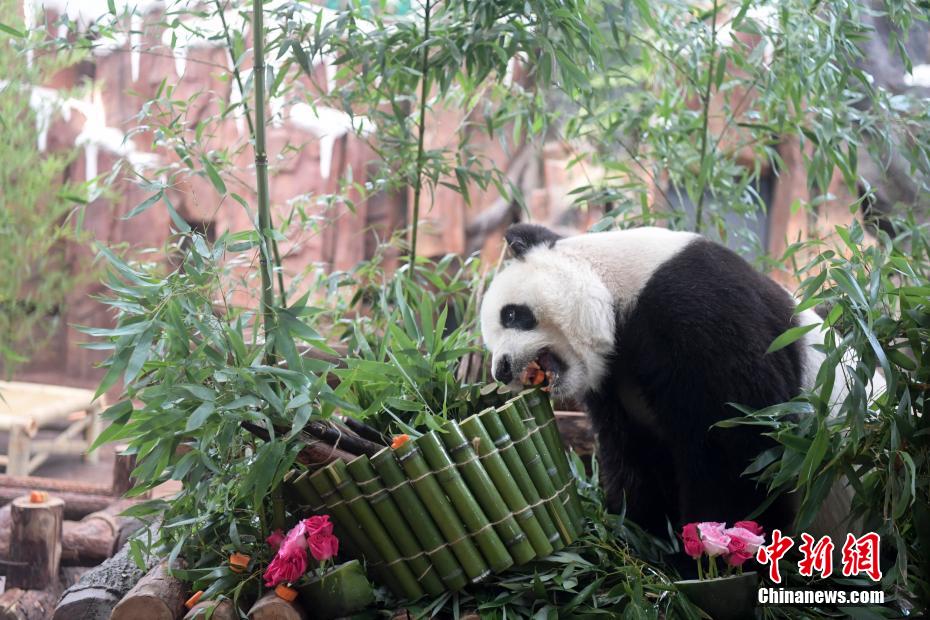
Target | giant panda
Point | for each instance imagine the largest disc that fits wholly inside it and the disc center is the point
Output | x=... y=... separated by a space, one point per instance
x=654 y=332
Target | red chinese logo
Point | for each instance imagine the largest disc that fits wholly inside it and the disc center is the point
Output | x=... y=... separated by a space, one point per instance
x=860 y=555
x=770 y=554
x=817 y=557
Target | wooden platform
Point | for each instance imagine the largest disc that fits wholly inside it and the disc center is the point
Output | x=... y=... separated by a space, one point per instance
x=71 y=413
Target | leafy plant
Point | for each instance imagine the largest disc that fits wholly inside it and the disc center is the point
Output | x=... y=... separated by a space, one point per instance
x=852 y=428
x=40 y=214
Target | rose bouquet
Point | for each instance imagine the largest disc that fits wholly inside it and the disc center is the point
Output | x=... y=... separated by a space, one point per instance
x=290 y=563
x=731 y=596
x=331 y=591
x=734 y=545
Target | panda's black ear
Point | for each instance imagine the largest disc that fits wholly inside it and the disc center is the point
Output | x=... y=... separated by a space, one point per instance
x=521 y=238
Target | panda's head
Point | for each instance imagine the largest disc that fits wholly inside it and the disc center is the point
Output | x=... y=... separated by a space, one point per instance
x=548 y=306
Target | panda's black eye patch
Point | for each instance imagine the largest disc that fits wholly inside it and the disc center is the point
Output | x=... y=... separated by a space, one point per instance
x=517 y=316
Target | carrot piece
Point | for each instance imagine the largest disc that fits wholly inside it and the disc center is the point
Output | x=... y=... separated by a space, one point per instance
x=286 y=593
x=399 y=440
x=38 y=497
x=238 y=562
x=194 y=599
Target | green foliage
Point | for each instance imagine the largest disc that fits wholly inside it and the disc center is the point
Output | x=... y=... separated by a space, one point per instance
x=194 y=370
x=873 y=433
x=404 y=354
x=39 y=213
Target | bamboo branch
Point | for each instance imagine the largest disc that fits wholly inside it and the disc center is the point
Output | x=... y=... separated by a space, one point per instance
x=711 y=71
x=261 y=169
x=424 y=93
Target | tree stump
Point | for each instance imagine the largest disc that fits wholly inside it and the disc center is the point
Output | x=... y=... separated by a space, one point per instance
x=122 y=468
x=35 y=542
x=157 y=596
x=273 y=607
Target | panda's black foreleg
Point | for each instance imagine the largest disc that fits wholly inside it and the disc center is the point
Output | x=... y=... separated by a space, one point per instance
x=636 y=473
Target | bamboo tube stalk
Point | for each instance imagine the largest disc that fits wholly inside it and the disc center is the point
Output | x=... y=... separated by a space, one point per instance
x=344 y=518
x=538 y=404
x=468 y=509
x=531 y=454
x=418 y=517
x=367 y=519
x=563 y=486
x=488 y=496
x=508 y=452
x=505 y=481
x=432 y=495
x=371 y=487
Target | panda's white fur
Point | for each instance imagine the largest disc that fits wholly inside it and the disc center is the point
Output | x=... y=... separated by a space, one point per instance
x=583 y=290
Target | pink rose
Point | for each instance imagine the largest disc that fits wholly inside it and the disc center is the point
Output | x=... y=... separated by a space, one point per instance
x=752 y=526
x=323 y=547
x=742 y=539
x=290 y=562
x=713 y=537
x=318 y=525
x=692 y=540
x=275 y=539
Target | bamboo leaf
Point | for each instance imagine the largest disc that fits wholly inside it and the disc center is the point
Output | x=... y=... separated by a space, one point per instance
x=788 y=337
x=213 y=175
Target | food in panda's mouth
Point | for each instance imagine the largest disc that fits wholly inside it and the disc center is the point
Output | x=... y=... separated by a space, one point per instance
x=541 y=372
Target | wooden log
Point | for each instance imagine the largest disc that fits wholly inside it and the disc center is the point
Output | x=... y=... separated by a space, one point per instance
x=273 y=607
x=97 y=536
x=98 y=591
x=87 y=542
x=19 y=604
x=35 y=542
x=122 y=468
x=29 y=483
x=222 y=610
x=77 y=506
x=157 y=596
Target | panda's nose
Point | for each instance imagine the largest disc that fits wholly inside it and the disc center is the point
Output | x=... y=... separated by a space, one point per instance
x=502 y=371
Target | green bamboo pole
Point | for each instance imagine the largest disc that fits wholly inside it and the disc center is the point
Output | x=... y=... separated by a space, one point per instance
x=434 y=498
x=418 y=518
x=492 y=423
x=563 y=487
x=261 y=169
x=467 y=507
x=539 y=406
x=379 y=536
x=488 y=496
x=505 y=481
x=370 y=486
x=346 y=521
x=531 y=456
x=305 y=494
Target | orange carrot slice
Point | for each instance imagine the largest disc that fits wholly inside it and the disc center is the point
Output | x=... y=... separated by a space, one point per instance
x=286 y=593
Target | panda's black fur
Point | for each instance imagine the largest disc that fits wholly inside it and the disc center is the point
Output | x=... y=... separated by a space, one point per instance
x=694 y=340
